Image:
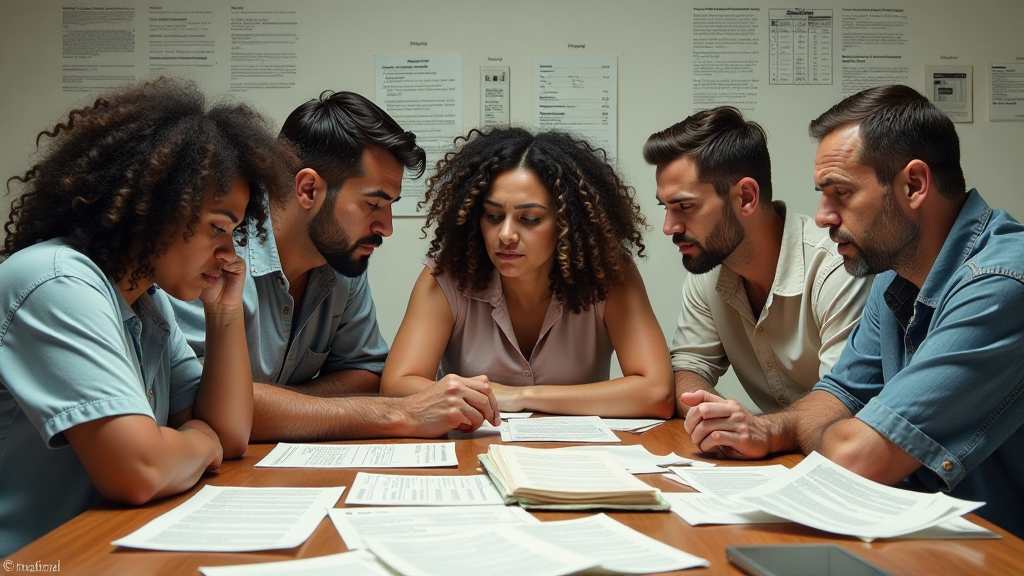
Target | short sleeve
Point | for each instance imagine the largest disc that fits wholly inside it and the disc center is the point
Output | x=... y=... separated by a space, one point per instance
x=357 y=344
x=697 y=346
x=65 y=358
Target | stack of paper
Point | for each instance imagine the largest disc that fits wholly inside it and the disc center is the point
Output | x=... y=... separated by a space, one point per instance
x=557 y=429
x=354 y=524
x=405 y=490
x=637 y=460
x=567 y=479
x=418 y=455
x=635 y=425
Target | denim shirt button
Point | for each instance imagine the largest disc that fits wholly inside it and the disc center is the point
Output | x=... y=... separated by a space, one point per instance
x=947 y=466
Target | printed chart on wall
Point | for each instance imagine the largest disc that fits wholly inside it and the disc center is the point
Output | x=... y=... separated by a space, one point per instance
x=423 y=93
x=578 y=94
x=799 y=46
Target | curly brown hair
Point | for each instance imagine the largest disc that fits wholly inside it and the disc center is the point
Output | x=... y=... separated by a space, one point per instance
x=119 y=176
x=598 y=220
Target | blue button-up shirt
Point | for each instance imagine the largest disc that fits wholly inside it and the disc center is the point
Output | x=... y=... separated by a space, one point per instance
x=73 y=351
x=940 y=371
x=334 y=329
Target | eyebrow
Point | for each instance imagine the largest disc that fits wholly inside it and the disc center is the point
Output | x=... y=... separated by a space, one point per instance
x=227 y=213
x=676 y=199
x=382 y=195
x=825 y=182
x=517 y=206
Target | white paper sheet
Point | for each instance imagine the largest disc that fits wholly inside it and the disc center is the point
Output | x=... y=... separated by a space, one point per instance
x=494 y=552
x=485 y=429
x=616 y=546
x=514 y=415
x=420 y=455
x=225 y=519
x=727 y=480
x=955 y=529
x=578 y=94
x=636 y=459
x=359 y=563
x=823 y=495
x=632 y=424
x=696 y=509
x=558 y=429
x=395 y=490
x=569 y=471
x=353 y=524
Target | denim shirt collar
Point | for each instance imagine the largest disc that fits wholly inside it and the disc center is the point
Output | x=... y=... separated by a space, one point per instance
x=263 y=259
x=959 y=245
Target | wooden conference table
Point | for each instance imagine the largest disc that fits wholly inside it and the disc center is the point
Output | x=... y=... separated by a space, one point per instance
x=82 y=545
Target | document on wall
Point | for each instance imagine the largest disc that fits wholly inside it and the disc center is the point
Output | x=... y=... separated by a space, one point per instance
x=397 y=490
x=636 y=459
x=823 y=495
x=419 y=455
x=98 y=47
x=727 y=480
x=358 y=563
x=423 y=93
x=354 y=524
x=874 y=48
x=951 y=89
x=225 y=519
x=494 y=96
x=728 y=61
x=697 y=508
x=619 y=548
x=495 y=551
x=558 y=429
x=799 y=46
x=1006 y=90
x=578 y=94
x=263 y=42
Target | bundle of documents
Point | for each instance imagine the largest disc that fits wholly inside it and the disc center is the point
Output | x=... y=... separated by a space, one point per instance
x=418 y=455
x=637 y=460
x=567 y=480
x=557 y=429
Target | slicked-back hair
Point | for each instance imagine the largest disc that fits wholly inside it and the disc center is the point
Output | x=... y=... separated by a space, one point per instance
x=896 y=125
x=598 y=222
x=331 y=132
x=723 y=145
x=118 y=177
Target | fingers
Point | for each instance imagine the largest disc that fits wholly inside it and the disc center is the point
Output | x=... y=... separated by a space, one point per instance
x=484 y=404
x=694 y=398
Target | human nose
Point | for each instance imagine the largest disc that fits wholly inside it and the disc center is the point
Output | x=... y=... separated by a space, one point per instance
x=507 y=233
x=673 y=224
x=383 y=224
x=826 y=216
x=225 y=249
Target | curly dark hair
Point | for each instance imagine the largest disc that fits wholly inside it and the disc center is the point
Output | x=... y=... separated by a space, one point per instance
x=119 y=176
x=598 y=220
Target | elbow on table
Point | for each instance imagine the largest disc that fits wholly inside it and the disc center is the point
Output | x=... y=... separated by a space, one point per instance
x=236 y=448
x=662 y=401
x=134 y=487
x=861 y=461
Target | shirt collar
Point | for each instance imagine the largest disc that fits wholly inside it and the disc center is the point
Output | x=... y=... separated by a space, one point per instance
x=493 y=293
x=958 y=246
x=263 y=258
x=789 y=272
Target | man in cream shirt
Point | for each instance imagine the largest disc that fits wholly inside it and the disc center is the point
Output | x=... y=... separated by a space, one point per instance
x=766 y=291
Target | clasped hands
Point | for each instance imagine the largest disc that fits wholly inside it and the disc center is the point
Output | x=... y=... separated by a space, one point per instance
x=724 y=427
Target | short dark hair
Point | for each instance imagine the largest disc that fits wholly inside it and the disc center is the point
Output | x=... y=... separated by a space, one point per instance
x=119 y=176
x=598 y=220
x=331 y=132
x=724 y=146
x=897 y=124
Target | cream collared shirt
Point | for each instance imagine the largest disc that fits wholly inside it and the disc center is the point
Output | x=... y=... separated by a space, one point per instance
x=778 y=357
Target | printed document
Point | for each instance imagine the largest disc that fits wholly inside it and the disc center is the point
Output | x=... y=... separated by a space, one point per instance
x=696 y=509
x=224 y=519
x=494 y=551
x=557 y=429
x=421 y=455
x=396 y=490
x=353 y=524
x=823 y=495
x=359 y=563
x=617 y=547
x=726 y=480
x=636 y=425
x=636 y=459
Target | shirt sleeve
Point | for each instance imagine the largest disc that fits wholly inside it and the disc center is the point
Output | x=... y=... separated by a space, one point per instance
x=357 y=344
x=697 y=346
x=838 y=304
x=65 y=358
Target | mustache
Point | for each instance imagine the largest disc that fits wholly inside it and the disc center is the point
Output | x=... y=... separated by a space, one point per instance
x=681 y=238
x=837 y=236
x=372 y=239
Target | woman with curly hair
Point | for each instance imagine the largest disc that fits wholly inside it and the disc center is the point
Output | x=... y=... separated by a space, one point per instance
x=100 y=396
x=531 y=283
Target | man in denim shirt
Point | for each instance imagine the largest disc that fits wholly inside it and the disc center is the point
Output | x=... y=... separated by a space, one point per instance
x=929 y=386
x=314 y=346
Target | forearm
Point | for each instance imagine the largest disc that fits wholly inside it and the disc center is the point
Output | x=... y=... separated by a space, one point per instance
x=406 y=385
x=187 y=456
x=225 y=396
x=802 y=426
x=626 y=397
x=341 y=383
x=283 y=415
x=686 y=381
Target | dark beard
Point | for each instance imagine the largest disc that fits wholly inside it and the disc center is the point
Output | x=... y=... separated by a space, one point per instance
x=334 y=245
x=721 y=241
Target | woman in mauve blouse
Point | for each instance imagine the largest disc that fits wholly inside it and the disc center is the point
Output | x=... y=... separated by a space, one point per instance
x=531 y=283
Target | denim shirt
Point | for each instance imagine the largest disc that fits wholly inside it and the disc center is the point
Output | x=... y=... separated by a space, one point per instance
x=334 y=329
x=73 y=351
x=940 y=371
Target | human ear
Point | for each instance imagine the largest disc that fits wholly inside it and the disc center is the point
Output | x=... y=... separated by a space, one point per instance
x=307 y=185
x=749 y=193
x=917 y=180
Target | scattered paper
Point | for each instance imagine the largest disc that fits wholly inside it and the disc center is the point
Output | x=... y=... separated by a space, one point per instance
x=632 y=424
x=727 y=480
x=514 y=415
x=224 y=519
x=636 y=459
x=696 y=509
x=359 y=563
x=485 y=429
x=823 y=495
x=495 y=552
x=353 y=524
x=616 y=546
x=557 y=429
x=391 y=490
x=955 y=529
x=420 y=455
